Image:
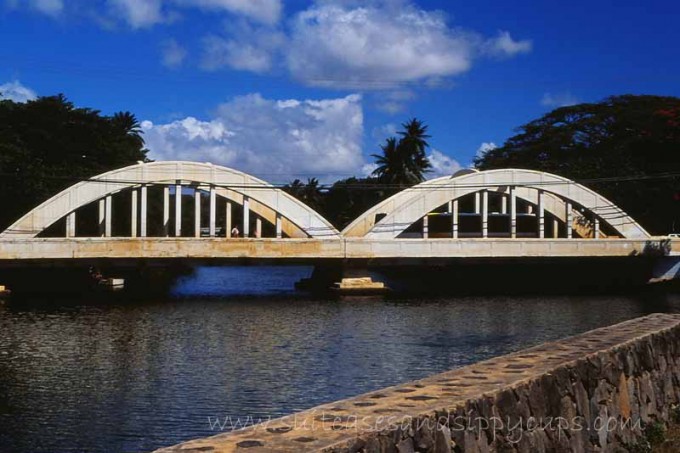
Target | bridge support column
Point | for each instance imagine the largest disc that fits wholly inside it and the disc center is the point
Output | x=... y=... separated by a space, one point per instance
x=178 y=210
x=166 y=211
x=213 y=207
x=71 y=225
x=133 y=214
x=197 y=213
x=477 y=202
x=279 y=226
x=453 y=209
x=246 y=217
x=143 y=213
x=258 y=227
x=504 y=204
x=570 y=220
x=426 y=227
x=596 y=228
x=541 y=215
x=228 y=220
x=102 y=217
x=485 y=213
x=107 y=216
x=513 y=213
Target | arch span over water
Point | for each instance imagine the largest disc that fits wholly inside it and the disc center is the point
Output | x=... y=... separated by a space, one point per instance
x=390 y=218
x=266 y=200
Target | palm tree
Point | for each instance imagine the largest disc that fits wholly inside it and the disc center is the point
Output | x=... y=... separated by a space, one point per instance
x=404 y=162
x=309 y=192
x=389 y=163
x=128 y=124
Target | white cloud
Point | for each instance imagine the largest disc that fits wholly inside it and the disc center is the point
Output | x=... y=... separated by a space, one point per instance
x=442 y=165
x=248 y=49
x=146 y=13
x=394 y=102
x=15 y=91
x=485 y=147
x=505 y=46
x=173 y=54
x=277 y=140
x=559 y=100
x=139 y=13
x=368 y=169
x=381 y=133
x=265 y=11
x=376 y=46
x=50 y=7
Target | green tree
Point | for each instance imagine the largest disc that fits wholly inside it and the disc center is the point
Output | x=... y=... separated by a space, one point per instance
x=404 y=162
x=622 y=137
x=49 y=144
x=309 y=193
x=348 y=198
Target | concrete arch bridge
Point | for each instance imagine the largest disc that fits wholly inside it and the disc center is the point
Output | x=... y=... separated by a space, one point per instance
x=138 y=214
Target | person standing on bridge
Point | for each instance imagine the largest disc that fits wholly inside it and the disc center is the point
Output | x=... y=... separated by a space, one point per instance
x=235 y=232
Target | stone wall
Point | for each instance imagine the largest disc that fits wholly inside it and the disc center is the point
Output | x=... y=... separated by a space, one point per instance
x=592 y=392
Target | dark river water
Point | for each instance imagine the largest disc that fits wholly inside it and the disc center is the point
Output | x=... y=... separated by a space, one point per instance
x=112 y=375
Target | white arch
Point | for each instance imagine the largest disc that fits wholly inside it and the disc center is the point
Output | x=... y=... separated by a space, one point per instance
x=408 y=206
x=83 y=193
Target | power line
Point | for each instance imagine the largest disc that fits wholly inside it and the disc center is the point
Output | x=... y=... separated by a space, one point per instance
x=364 y=186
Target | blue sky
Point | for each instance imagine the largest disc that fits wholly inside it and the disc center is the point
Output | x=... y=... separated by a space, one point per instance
x=293 y=88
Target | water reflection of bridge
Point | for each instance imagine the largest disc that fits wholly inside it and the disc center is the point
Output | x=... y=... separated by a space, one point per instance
x=136 y=213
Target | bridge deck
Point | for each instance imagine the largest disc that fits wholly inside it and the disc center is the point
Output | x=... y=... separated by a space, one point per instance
x=12 y=250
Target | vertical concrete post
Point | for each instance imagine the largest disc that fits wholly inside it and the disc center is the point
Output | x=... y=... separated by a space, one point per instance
x=178 y=210
x=279 y=227
x=556 y=229
x=246 y=217
x=426 y=227
x=570 y=220
x=541 y=215
x=258 y=227
x=166 y=211
x=107 y=215
x=454 y=219
x=477 y=202
x=228 y=220
x=485 y=213
x=197 y=213
x=133 y=214
x=71 y=225
x=143 y=213
x=596 y=228
x=513 y=213
x=102 y=217
x=213 y=208
x=504 y=204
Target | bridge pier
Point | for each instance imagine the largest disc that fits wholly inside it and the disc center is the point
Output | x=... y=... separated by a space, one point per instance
x=343 y=278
